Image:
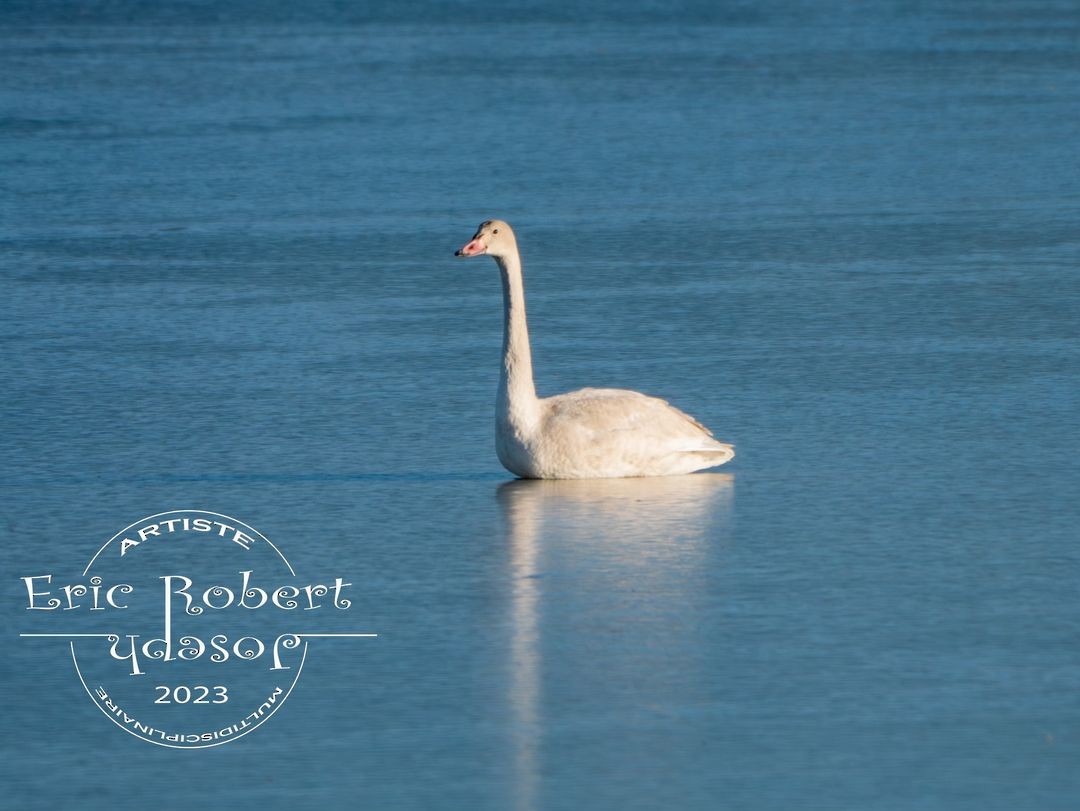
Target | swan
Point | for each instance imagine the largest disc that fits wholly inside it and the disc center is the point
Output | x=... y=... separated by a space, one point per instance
x=584 y=434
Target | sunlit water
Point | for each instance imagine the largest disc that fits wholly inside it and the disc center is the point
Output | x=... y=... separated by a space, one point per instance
x=845 y=238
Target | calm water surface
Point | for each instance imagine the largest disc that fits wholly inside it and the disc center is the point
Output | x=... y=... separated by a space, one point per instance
x=845 y=239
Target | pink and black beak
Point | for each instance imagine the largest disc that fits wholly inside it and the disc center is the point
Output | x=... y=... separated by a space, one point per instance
x=474 y=248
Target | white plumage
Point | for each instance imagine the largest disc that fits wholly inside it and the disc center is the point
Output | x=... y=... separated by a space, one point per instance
x=584 y=434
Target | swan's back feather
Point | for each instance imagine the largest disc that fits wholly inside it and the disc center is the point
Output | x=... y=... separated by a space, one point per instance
x=617 y=432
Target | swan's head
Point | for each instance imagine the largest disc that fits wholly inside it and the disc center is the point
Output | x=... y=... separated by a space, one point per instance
x=492 y=238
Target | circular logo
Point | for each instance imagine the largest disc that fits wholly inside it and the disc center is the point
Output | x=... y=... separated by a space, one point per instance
x=192 y=627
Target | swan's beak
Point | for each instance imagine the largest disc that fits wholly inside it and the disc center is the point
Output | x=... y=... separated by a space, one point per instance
x=474 y=248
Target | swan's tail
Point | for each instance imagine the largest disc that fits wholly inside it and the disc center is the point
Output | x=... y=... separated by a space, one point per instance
x=714 y=456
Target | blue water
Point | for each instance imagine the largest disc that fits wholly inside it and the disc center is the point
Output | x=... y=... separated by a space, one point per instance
x=844 y=236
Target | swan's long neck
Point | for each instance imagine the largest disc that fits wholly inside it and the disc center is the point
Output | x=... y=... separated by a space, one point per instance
x=517 y=402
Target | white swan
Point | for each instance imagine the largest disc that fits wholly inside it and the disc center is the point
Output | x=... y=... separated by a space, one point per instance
x=585 y=434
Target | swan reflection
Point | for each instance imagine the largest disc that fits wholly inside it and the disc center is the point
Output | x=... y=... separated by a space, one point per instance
x=589 y=556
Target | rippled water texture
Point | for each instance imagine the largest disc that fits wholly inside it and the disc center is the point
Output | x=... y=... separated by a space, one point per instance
x=844 y=236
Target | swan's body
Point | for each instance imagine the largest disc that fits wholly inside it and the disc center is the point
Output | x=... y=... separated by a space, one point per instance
x=585 y=434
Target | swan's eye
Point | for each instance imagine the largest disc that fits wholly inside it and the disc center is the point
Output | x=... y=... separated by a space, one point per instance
x=495 y=231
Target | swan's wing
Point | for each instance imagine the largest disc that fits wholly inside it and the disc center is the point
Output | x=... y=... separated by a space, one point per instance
x=685 y=416
x=627 y=418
